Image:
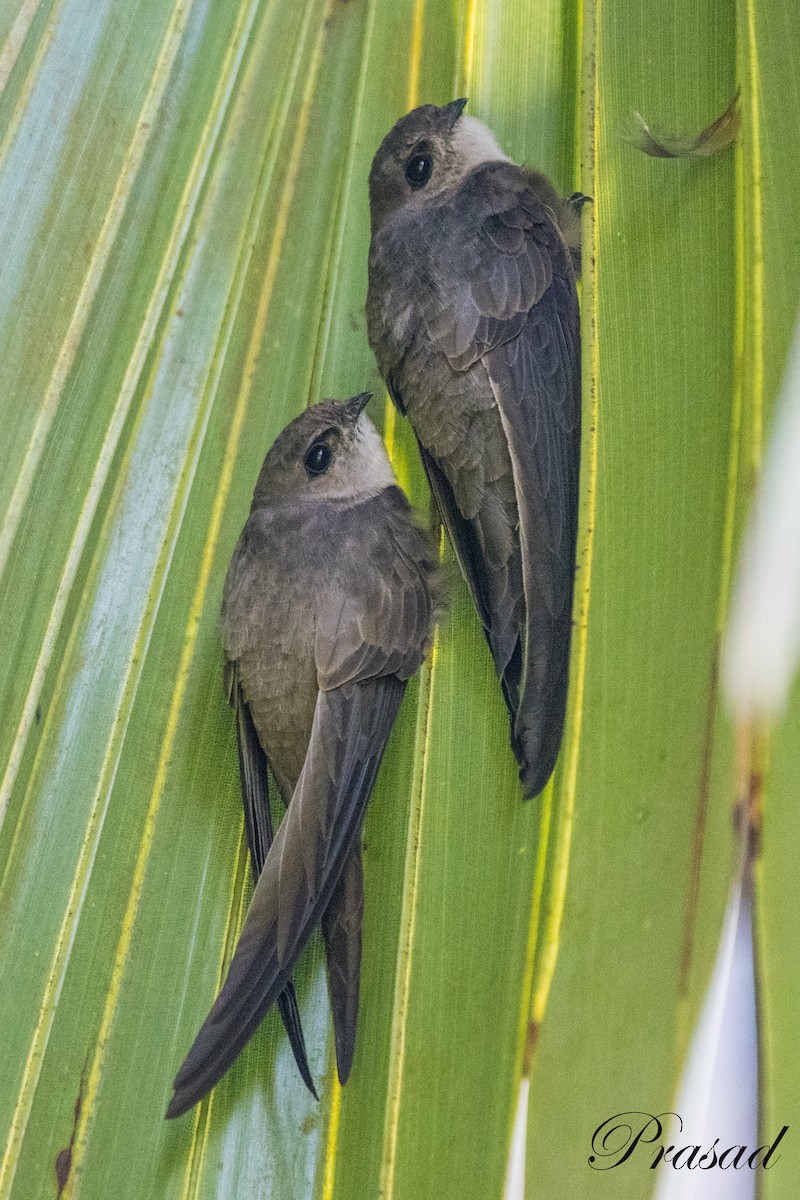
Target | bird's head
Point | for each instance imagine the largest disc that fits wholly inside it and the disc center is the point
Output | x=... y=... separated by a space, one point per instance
x=425 y=156
x=332 y=451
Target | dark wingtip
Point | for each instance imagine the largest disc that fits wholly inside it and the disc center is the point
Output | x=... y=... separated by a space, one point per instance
x=184 y=1098
x=177 y=1107
x=533 y=785
x=535 y=775
x=300 y=1058
x=290 y=1015
x=345 y=1053
x=309 y=1082
x=190 y=1085
x=536 y=744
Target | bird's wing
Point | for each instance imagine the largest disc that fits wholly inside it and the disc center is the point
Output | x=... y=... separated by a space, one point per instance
x=253 y=773
x=462 y=535
x=351 y=727
x=341 y=929
x=513 y=307
x=379 y=623
x=254 y=781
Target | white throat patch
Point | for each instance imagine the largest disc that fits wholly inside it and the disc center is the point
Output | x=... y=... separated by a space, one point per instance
x=474 y=143
x=375 y=469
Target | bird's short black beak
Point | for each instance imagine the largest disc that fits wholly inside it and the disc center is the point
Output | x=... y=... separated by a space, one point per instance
x=359 y=403
x=454 y=109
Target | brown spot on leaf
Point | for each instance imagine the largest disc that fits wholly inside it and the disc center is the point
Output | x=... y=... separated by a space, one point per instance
x=748 y=814
x=309 y=1123
x=64 y=1157
x=530 y=1047
x=63 y=1166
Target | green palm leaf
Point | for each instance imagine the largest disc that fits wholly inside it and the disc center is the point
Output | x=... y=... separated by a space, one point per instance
x=184 y=224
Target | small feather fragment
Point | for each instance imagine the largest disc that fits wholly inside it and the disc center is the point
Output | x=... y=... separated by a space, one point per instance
x=715 y=137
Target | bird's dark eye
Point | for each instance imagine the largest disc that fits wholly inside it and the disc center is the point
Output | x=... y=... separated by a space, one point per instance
x=318 y=458
x=418 y=169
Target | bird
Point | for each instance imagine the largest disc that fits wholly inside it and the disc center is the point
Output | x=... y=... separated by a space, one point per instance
x=472 y=314
x=328 y=608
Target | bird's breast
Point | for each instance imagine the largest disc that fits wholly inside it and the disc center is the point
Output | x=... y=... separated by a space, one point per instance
x=268 y=626
x=282 y=693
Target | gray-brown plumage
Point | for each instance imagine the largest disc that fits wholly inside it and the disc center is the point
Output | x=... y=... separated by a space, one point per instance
x=472 y=313
x=327 y=611
x=254 y=781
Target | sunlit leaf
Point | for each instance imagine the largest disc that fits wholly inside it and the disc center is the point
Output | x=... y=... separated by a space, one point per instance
x=184 y=222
